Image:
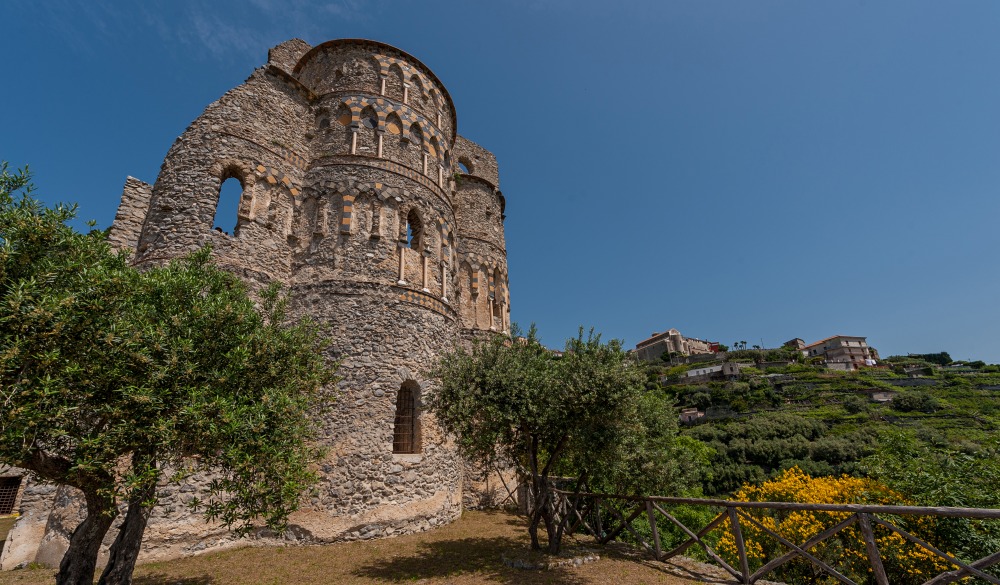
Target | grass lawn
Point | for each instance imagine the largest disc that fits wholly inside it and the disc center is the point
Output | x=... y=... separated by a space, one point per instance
x=466 y=551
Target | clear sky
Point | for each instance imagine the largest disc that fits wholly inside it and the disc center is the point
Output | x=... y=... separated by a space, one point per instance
x=741 y=170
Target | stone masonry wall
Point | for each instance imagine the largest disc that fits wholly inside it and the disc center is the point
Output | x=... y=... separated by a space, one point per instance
x=346 y=153
x=125 y=231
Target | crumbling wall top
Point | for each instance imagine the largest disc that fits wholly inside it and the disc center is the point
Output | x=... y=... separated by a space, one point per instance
x=478 y=161
x=287 y=54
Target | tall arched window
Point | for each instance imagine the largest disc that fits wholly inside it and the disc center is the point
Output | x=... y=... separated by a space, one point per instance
x=393 y=125
x=406 y=430
x=230 y=195
x=414 y=230
x=497 y=296
x=367 y=137
x=416 y=136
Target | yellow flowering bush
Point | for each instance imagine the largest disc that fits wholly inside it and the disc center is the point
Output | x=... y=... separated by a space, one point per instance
x=905 y=562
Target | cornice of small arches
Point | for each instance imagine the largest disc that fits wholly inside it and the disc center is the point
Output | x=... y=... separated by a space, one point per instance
x=383 y=108
x=409 y=74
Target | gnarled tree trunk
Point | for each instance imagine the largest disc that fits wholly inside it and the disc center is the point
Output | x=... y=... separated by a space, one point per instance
x=80 y=561
x=125 y=549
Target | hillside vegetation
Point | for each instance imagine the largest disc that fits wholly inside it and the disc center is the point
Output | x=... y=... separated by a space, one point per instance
x=827 y=423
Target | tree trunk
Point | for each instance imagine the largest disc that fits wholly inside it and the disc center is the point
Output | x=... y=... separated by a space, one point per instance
x=552 y=532
x=533 y=532
x=125 y=549
x=80 y=561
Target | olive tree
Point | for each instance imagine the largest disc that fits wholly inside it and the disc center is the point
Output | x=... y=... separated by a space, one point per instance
x=115 y=380
x=511 y=402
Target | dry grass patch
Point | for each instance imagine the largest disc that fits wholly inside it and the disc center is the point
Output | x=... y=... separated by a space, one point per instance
x=464 y=552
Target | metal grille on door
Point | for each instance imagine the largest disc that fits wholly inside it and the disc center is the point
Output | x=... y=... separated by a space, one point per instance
x=8 y=493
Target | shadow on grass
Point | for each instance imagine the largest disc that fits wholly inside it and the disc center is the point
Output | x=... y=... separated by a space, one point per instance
x=465 y=556
x=161 y=579
x=691 y=570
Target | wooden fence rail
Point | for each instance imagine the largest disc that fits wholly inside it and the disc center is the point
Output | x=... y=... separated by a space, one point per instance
x=583 y=511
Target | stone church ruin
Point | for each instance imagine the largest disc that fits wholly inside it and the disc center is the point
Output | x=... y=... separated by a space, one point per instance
x=384 y=224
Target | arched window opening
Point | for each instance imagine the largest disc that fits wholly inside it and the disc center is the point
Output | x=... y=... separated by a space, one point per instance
x=497 y=294
x=432 y=147
x=393 y=125
x=414 y=230
x=418 y=88
x=416 y=136
x=406 y=429
x=462 y=168
x=343 y=115
x=9 y=487
x=369 y=119
x=230 y=194
x=367 y=135
x=394 y=82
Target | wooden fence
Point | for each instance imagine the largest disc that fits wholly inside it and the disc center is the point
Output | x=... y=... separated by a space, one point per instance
x=583 y=511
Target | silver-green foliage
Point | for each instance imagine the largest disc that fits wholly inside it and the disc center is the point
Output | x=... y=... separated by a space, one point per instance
x=110 y=376
x=584 y=416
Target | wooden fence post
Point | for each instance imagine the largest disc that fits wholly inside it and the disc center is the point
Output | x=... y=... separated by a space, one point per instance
x=656 y=532
x=734 y=521
x=874 y=558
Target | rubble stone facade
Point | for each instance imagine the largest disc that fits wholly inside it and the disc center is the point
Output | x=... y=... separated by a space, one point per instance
x=386 y=226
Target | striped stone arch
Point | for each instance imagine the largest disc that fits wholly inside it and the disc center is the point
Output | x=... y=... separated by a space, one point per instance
x=409 y=71
x=426 y=223
x=383 y=107
x=495 y=289
x=473 y=278
x=500 y=287
x=436 y=97
x=444 y=230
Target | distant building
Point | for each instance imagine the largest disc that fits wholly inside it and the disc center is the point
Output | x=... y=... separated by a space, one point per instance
x=842 y=352
x=689 y=415
x=882 y=397
x=703 y=373
x=671 y=341
x=723 y=371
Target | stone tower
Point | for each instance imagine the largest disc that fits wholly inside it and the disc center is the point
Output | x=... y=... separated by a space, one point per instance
x=384 y=224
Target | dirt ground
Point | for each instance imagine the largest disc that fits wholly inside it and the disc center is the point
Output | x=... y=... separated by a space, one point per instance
x=464 y=552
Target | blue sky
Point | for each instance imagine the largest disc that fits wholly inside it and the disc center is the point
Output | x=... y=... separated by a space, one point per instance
x=743 y=170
